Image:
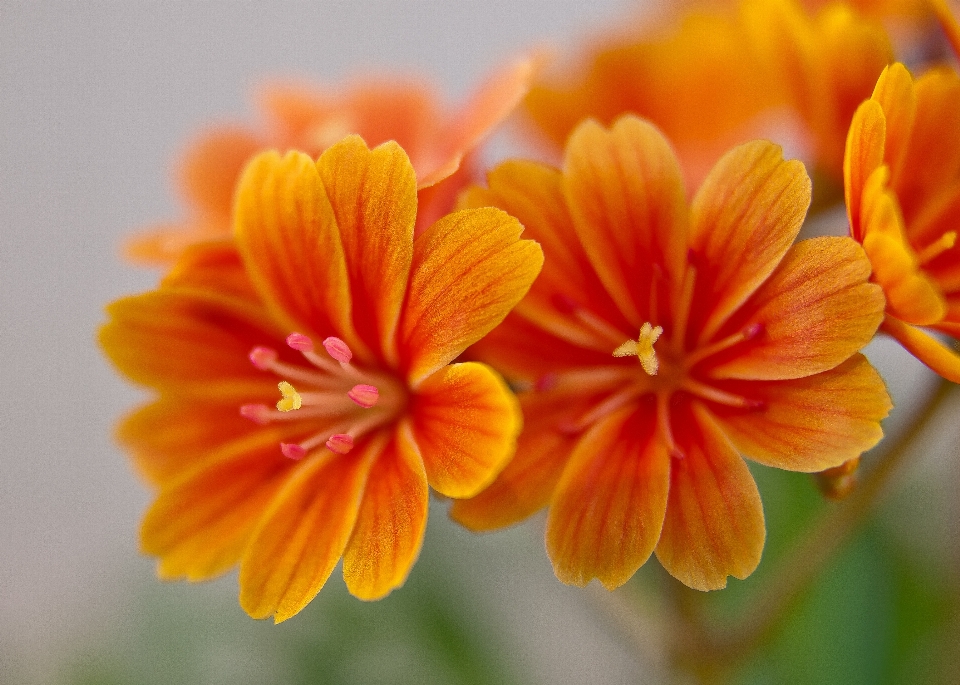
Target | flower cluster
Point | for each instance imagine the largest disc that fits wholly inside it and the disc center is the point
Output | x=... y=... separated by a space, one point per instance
x=351 y=315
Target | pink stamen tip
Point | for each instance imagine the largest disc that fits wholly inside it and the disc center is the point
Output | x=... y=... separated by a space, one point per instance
x=300 y=342
x=364 y=395
x=752 y=331
x=756 y=405
x=258 y=413
x=292 y=451
x=677 y=453
x=341 y=443
x=569 y=428
x=338 y=349
x=263 y=357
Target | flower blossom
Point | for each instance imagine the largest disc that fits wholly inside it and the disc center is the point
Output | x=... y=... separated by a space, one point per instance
x=761 y=68
x=665 y=339
x=902 y=184
x=326 y=297
x=304 y=118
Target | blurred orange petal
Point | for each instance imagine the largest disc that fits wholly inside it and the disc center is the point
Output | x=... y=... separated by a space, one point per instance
x=925 y=347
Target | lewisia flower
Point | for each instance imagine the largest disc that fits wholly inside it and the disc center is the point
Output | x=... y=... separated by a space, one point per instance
x=303 y=118
x=327 y=296
x=765 y=66
x=902 y=183
x=664 y=340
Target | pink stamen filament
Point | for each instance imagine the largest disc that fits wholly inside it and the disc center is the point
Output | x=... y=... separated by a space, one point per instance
x=593 y=323
x=712 y=394
x=748 y=333
x=663 y=423
x=605 y=408
x=684 y=307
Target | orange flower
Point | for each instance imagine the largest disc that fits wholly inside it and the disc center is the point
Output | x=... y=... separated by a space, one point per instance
x=328 y=293
x=300 y=117
x=727 y=76
x=661 y=342
x=902 y=182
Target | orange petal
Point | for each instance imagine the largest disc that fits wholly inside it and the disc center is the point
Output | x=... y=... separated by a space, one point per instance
x=864 y=153
x=189 y=341
x=287 y=234
x=170 y=436
x=745 y=216
x=628 y=203
x=813 y=423
x=212 y=165
x=213 y=266
x=528 y=481
x=816 y=310
x=949 y=24
x=373 y=194
x=161 y=244
x=714 y=523
x=533 y=193
x=469 y=270
x=465 y=422
x=303 y=534
x=897 y=98
x=496 y=98
x=925 y=347
x=393 y=517
x=608 y=508
x=200 y=524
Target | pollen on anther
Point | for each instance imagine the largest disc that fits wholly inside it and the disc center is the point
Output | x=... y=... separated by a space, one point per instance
x=290 y=399
x=263 y=357
x=338 y=349
x=341 y=443
x=364 y=395
x=292 y=451
x=300 y=342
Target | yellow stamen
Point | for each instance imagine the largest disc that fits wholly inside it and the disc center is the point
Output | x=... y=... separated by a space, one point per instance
x=291 y=398
x=642 y=347
x=934 y=250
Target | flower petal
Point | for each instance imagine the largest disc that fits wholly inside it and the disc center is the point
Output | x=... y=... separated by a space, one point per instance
x=864 y=153
x=303 y=534
x=199 y=525
x=745 y=217
x=469 y=270
x=465 y=422
x=373 y=194
x=816 y=310
x=389 y=531
x=626 y=195
x=170 y=436
x=714 y=523
x=607 y=511
x=214 y=267
x=533 y=193
x=288 y=237
x=897 y=98
x=205 y=341
x=209 y=172
x=529 y=479
x=813 y=423
x=925 y=347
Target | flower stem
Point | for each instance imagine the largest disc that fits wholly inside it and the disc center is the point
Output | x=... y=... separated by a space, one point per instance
x=800 y=566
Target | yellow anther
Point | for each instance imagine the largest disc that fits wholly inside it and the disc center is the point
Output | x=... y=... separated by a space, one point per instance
x=642 y=347
x=291 y=398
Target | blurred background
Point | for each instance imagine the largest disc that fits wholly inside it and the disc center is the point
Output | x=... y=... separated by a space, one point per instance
x=96 y=102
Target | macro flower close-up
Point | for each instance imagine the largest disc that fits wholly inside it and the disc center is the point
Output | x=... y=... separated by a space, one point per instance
x=327 y=296
x=663 y=341
x=903 y=200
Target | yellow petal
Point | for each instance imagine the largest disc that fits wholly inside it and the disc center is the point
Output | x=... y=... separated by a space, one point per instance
x=925 y=347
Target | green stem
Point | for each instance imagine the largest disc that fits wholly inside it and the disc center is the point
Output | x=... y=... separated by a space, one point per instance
x=795 y=572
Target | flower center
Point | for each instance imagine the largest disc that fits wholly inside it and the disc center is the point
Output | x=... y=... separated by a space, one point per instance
x=348 y=400
x=642 y=347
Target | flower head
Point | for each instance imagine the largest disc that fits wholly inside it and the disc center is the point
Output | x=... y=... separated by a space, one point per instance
x=762 y=68
x=902 y=183
x=665 y=339
x=306 y=396
x=304 y=118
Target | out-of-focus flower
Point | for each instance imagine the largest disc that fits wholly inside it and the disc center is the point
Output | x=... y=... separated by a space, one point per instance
x=665 y=339
x=902 y=183
x=325 y=291
x=304 y=118
x=723 y=77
